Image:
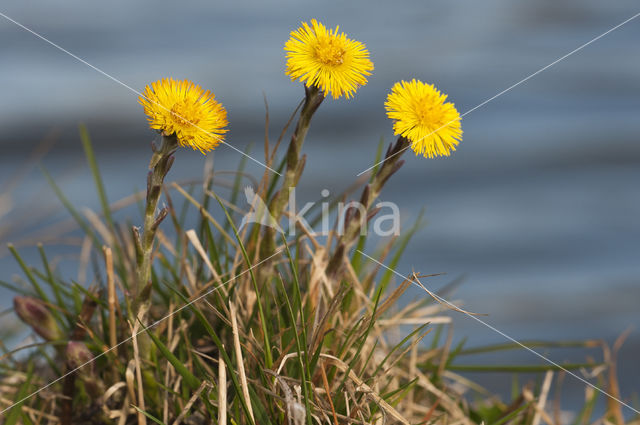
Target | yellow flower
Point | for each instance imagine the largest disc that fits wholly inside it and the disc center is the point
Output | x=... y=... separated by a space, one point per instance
x=421 y=115
x=183 y=108
x=327 y=59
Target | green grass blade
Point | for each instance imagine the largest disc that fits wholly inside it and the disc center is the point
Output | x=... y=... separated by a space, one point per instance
x=93 y=165
x=530 y=344
x=27 y=271
x=520 y=368
x=55 y=287
x=397 y=347
x=363 y=340
x=237 y=181
x=399 y=393
x=218 y=342
x=25 y=419
x=402 y=245
x=187 y=376
x=74 y=213
x=262 y=417
x=584 y=417
x=454 y=353
x=303 y=359
x=149 y=415
x=378 y=158
x=356 y=260
x=512 y=415
x=274 y=180
x=13 y=288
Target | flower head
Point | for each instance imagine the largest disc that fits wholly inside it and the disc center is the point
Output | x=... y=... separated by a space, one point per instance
x=421 y=114
x=183 y=108
x=327 y=59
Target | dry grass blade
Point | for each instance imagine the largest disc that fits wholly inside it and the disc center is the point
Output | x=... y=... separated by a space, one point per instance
x=415 y=278
x=205 y=214
x=240 y=360
x=542 y=400
x=360 y=386
x=192 y=400
x=111 y=296
x=142 y=419
x=193 y=238
x=222 y=391
x=325 y=382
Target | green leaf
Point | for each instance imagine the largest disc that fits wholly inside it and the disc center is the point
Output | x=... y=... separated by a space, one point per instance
x=93 y=165
x=402 y=245
x=74 y=213
x=187 y=376
x=149 y=415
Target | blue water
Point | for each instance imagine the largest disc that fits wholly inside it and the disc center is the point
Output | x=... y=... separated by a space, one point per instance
x=538 y=209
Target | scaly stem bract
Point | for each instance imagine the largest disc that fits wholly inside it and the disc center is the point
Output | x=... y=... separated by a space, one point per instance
x=159 y=166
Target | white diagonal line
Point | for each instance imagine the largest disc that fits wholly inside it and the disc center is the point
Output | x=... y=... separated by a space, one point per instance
x=138 y=333
x=511 y=87
x=440 y=299
x=112 y=78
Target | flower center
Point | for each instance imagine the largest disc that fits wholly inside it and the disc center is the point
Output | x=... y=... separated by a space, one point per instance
x=426 y=114
x=330 y=52
x=182 y=114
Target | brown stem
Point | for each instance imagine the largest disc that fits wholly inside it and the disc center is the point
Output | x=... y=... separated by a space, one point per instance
x=68 y=391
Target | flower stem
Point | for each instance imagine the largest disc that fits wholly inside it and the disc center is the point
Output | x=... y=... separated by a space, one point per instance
x=354 y=222
x=159 y=166
x=295 y=163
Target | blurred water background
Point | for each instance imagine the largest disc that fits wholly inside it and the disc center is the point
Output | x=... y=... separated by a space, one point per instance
x=538 y=209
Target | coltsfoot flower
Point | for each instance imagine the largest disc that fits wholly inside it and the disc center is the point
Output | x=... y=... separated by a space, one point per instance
x=186 y=110
x=327 y=59
x=421 y=115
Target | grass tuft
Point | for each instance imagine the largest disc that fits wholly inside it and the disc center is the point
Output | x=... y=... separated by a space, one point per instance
x=251 y=327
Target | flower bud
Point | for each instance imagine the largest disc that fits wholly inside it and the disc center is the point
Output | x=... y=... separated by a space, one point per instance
x=35 y=313
x=77 y=354
x=79 y=360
